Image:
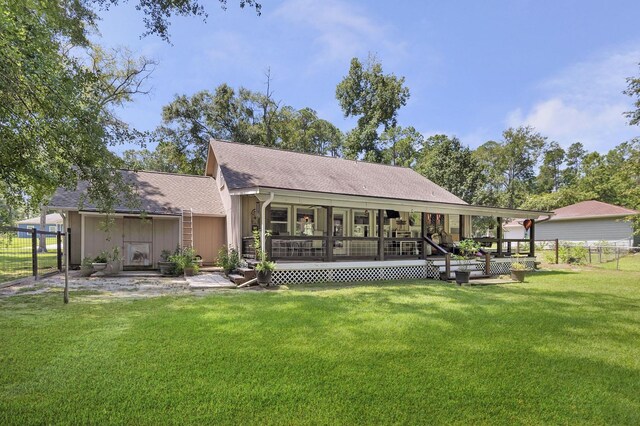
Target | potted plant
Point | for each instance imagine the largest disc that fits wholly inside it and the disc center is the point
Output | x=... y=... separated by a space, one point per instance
x=99 y=262
x=518 y=268
x=264 y=267
x=228 y=259
x=166 y=266
x=86 y=267
x=467 y=252
x=185 y=261
x=114 y=261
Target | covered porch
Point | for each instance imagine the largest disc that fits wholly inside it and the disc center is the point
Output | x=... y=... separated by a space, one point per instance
x=313 y=228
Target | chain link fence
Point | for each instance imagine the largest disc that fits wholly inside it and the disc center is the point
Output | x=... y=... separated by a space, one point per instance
x=611 y=256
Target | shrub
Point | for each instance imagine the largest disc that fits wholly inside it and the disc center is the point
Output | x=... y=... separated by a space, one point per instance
x=185 y=258
x=228 y=259
x=572 y=254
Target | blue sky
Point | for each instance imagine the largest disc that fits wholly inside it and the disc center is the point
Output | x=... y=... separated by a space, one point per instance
x=473 y=68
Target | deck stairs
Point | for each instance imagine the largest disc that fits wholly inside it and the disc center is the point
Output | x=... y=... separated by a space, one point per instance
x=187 y=228
x=243 y=275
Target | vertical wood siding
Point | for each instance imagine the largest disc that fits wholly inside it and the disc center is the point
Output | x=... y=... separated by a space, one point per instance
x=208 y=237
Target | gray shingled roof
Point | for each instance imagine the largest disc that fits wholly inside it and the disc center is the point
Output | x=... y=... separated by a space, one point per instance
x=247 y=166
x=160 y=193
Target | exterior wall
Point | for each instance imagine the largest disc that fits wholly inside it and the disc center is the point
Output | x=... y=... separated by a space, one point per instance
x=233 y=212
x=97 y=240
x=612 y=230
x=517 y=232
x=76 y=238
x=166 y=236
x=58 y=227
x=209 y=235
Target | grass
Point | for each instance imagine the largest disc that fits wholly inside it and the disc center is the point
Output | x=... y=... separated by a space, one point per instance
x=15 y=258
x=630 y=263
x=561 y=348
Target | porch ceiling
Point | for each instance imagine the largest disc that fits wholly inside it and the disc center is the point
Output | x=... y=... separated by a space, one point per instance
x=350 y=201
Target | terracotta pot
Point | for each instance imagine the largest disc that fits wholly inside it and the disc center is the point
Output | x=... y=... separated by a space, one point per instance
x=264 y=278
x=518 y=275
x=189 y=272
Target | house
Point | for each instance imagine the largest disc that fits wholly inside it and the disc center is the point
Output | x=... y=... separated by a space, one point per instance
x=591 y=222
x=179 y=210
x=330 y=219
x=53 y=223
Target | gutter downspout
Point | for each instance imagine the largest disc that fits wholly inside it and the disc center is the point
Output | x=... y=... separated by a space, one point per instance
x=263 y=221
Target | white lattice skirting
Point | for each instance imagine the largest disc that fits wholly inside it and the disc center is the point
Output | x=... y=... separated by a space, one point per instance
x=354 y=271
x=298 y=273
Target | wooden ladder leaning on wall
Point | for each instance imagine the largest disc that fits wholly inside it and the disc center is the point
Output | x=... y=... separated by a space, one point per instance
x=187 y=228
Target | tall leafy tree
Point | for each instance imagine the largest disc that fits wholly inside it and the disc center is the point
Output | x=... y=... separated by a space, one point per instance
x=400 y=146
x=446 y=162
x=243 y=116
x=375 y=98
x=550 y=174
x=511 y=163
x=58 y=93
x=574 y=156
x=57 y=99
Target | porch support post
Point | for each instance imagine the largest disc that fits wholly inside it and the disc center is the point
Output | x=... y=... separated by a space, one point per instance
x=447 y=266
x=380 y=234
x=461 y=227
x=329 y=251
x=487 y=263
x=532 y=239
x=499 y=236
x=423 y=227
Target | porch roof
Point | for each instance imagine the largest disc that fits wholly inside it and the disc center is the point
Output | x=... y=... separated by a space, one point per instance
x=373 y=203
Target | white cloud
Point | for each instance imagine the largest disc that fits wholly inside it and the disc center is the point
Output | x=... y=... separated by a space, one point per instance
x=585 y=103
x=341 y=31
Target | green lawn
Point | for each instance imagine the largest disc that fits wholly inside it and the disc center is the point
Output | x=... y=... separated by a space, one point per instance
x=629 y=263
x=562 y=348
x=15 y=258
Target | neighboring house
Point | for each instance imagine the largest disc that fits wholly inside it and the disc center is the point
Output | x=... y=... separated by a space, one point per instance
x=53 y=223
x=591 y=222
x=331 y=219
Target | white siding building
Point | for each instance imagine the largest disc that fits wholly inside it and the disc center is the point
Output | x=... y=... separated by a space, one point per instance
x=588 y=221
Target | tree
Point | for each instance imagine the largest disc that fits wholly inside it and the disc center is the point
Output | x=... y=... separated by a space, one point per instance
x=57 y=93
x=550 y=174
x=633 y=90
x=574 y=156
x=375 y=98
x=165 y=158
x=242 y=116
x=400 y=146
x=446 y=162
x=511 y=164
x=158 y=12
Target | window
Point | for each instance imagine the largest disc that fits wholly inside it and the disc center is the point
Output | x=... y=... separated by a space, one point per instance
x=305 y=221
x=53 y=228
x=280 y=220
x=361 y=223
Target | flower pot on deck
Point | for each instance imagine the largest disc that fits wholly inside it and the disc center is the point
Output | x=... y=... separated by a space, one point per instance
x=98 y=266
x=189 y=272
x=166 y=268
